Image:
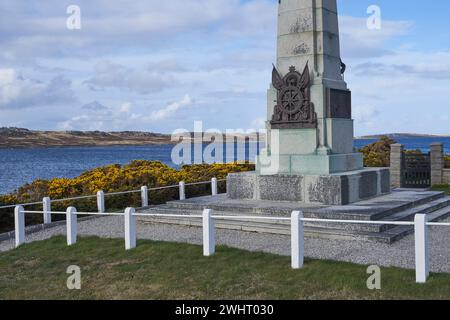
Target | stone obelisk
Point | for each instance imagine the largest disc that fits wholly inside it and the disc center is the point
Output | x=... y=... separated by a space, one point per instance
x=310 y=157
x=308 y=35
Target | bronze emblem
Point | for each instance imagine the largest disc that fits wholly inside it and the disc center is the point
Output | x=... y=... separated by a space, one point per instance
x=294 y=109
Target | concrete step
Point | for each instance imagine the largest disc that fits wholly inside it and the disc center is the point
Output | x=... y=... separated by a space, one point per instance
x=406 y=215
x=373 y=209
x=400 y=205
x=283 y=227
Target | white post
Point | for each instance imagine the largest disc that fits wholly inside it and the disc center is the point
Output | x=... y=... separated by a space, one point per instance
x=47 y=208
x=209 y=241
x=144 y=196
x=297 y=240
x=130 y=228
x=19 y=221
x=101 y=202
x=214 y=186
x=182 y=191
x=71 y=224
x=421 y=244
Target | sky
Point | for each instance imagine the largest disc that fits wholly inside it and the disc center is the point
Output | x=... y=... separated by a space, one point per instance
x=152 y=65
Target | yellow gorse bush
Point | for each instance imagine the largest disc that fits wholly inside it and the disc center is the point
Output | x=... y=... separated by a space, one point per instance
x=112 y=178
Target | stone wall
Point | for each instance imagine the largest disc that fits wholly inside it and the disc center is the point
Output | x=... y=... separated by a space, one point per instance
x=439 y=175
x=446 y=176
x=396 y=165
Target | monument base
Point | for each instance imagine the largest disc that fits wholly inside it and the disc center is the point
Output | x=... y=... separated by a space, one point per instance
x=333 y=189
x=310 y=164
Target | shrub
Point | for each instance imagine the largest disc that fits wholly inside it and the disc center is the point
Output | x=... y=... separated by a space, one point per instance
x=114 y=178
x=378 y=154
x=447 y=161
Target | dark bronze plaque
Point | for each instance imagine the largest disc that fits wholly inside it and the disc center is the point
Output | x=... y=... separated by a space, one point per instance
x=339 y=104
x=294 y=109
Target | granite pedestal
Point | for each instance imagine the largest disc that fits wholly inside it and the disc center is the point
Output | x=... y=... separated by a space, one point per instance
x=333 y=189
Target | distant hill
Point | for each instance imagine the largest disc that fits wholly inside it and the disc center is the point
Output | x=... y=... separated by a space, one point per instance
x=24 y=138
x=403 y=136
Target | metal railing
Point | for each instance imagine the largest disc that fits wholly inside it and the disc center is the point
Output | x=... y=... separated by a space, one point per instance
x=421 y=241
x=100 y=196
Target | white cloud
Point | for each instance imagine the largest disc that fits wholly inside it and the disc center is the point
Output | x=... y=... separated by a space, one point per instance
x=143 y=81
x=357 y=41
x=19 y=92
x=126 y=107
x=137 y=55
x=259 y=123
x=170 y=110
x=121 y=118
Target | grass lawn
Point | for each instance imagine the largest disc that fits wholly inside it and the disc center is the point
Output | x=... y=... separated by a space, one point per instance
x=156 y=270
x=444 y=188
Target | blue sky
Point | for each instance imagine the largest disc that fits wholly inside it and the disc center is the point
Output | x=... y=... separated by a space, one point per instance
x=159 y=66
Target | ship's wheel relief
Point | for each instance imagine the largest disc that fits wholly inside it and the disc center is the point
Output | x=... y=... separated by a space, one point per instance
x=294 y=109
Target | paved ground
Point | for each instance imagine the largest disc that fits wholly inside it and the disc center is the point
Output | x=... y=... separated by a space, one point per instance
x=400 y=254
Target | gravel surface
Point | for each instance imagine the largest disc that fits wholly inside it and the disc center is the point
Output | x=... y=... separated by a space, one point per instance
x=399 y=254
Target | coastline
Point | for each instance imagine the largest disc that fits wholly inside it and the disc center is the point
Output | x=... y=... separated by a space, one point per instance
x=18 y=138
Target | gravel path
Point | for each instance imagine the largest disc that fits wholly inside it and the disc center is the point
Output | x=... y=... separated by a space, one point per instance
x=400 y=254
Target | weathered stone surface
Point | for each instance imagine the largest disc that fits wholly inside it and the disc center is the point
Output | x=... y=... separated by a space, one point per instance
x=241 y=186
x=281 y=187
x=368 y=184
x=334 y=189
x=325 y=190
x=437 y=163
x=309 y=164
x=446 y=176
x=385 y=184
x=396 y=165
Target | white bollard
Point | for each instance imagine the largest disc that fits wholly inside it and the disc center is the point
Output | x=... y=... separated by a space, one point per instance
x=182 y=190
x=101 y=202
x=297 y=240
x=144 y=196
x=71 y=225
x=209 y=241
x=421 y=248
x=130 y=228
x=214 y=186
x=47 y=208
x=19 y=223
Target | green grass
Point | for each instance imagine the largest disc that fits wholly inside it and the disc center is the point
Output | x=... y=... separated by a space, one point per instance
x=445 y=188
x=156 y=270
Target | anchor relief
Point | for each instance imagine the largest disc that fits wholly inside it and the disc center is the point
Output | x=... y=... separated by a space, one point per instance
x=294 y=109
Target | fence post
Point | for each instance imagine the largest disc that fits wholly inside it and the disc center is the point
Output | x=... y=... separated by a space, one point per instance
x=144 y=196
x=130 y=228
x=421 y=248
x=19 y=222
x=101 y=201
x=71 y=224
x=182 y=191
x=209 y=241
x=297 y=240
x=214 y=186
x=47 y=208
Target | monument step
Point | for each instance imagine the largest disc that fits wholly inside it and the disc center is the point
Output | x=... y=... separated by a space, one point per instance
x=400 y=206
x=373 y=209
x=435 y=210
x=405 y=215
x=283 y=227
